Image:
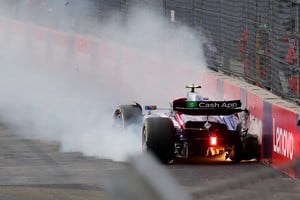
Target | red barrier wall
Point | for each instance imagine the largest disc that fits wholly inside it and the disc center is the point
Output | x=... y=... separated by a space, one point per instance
x=39 y=41
x=285 y=138
x=231 y=91
x=209 y=85
x=276 y=125
x=255 y=105
x=284 y=135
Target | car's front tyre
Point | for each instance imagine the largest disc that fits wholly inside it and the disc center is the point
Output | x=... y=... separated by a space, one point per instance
x=126 y=115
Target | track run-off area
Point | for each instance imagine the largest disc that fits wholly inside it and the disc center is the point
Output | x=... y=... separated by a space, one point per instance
x=33 y=169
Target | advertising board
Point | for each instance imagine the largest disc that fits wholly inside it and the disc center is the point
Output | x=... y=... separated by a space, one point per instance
x=285 y=136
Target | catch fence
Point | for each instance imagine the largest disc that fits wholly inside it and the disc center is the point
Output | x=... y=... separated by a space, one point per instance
x=256 y=40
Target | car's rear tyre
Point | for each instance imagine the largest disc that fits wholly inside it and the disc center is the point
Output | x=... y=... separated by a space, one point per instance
x=252 y=147
x=246 y=149
x=159 y=138
x=236 y=153
x=126 y=115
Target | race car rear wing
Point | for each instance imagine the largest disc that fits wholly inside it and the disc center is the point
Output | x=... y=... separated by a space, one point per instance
x=207 y=107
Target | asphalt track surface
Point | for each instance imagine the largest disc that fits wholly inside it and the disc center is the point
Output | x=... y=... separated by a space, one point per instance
x=32 y=169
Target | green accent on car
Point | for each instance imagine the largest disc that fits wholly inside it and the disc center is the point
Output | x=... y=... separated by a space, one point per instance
x=191 y=104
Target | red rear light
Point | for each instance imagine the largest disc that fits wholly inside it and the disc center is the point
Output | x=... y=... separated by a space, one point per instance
x=213 y=140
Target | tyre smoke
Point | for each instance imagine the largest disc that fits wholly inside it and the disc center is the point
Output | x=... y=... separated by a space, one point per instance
x=148 y=60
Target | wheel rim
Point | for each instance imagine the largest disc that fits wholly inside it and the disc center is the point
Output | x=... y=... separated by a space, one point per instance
x=119 y=119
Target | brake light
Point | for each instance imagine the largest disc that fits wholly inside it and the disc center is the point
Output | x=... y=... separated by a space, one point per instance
x=213 y=140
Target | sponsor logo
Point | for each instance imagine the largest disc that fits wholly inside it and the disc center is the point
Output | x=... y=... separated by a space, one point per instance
x=227 y=105
x=191 y=104
x=283 y=142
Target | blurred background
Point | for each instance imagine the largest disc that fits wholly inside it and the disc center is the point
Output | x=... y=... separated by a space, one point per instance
x=256 y=40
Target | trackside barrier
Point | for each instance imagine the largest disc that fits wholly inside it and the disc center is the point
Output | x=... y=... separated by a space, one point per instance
x=275 y=121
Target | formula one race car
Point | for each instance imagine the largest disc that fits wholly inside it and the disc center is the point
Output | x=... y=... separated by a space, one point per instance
x=193 y=126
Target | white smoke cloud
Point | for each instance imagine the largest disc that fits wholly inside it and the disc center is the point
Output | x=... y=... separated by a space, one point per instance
x=72 y=105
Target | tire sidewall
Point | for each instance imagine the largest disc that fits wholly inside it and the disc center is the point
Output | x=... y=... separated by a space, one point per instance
x=159 y=138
